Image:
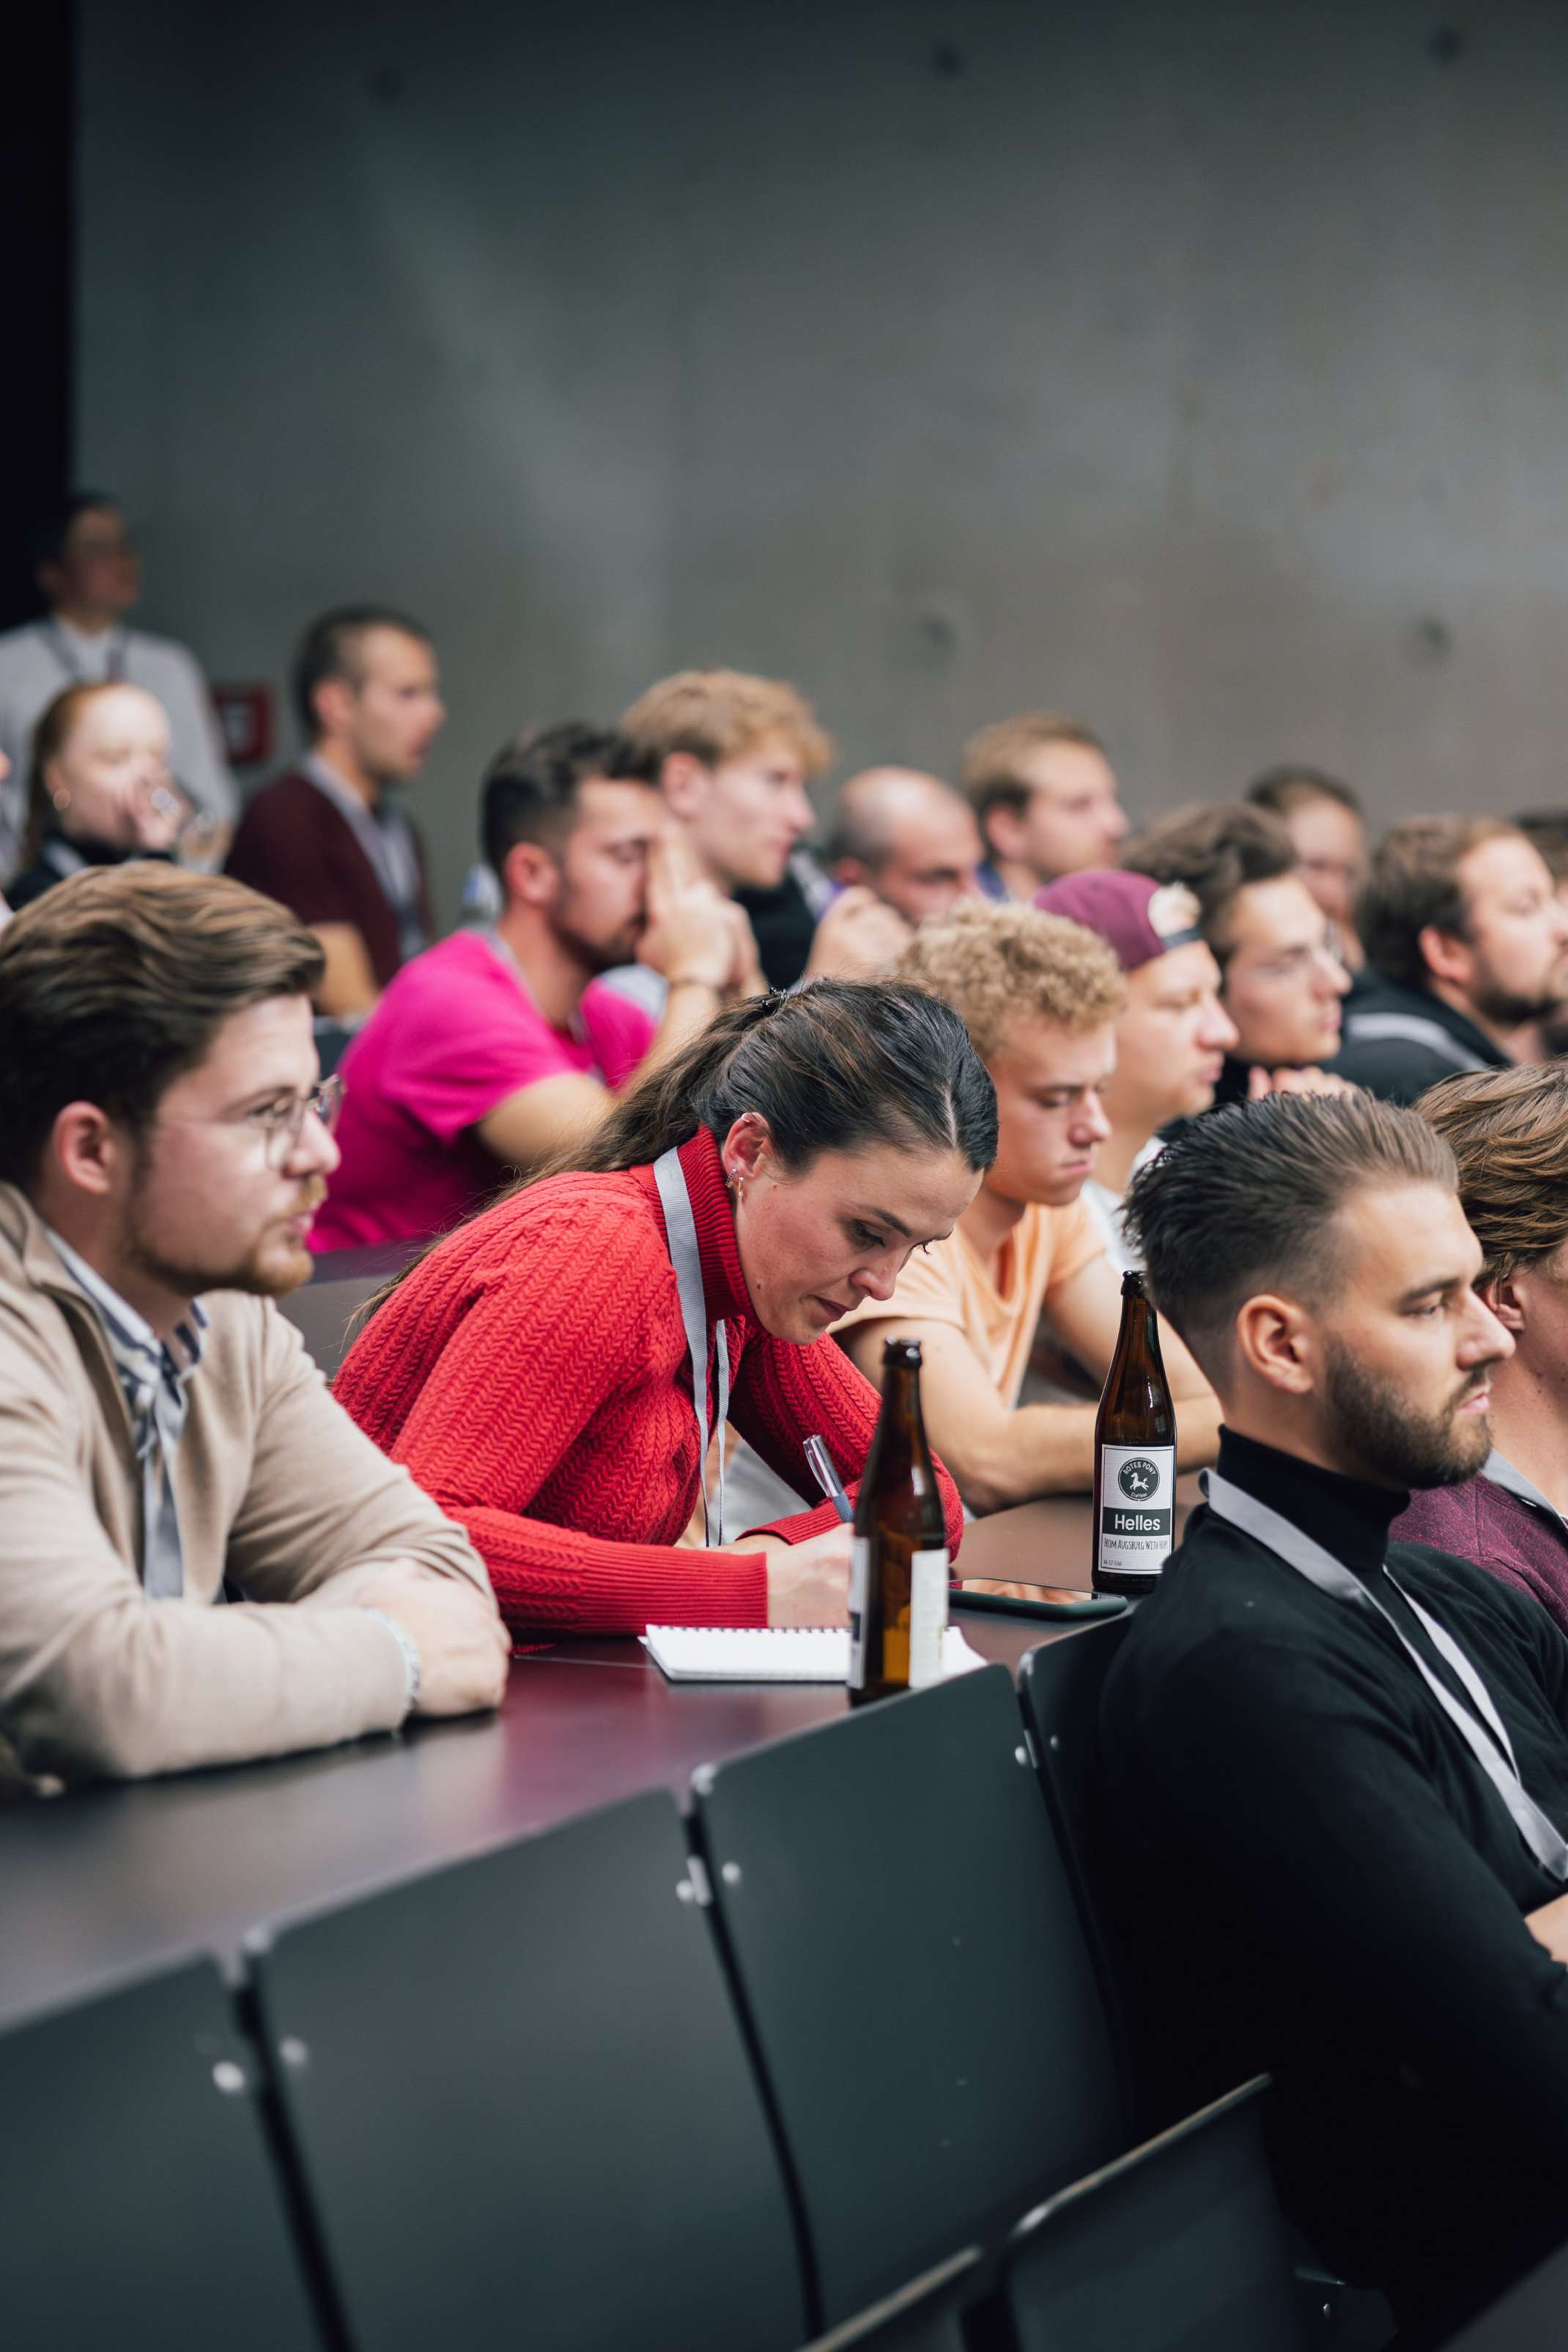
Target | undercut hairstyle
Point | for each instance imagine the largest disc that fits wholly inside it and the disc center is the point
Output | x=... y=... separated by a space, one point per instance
x=330 y=647
x=991 y=765
x=1547 y=831
x=1248 y=1198
x=532 y=788
x=1508 y=1130
x=116 y=981
x=723 y=714
x=1286 y=789
x=54 y=527
x=1218 y=849
x=998 y=962
x=1412 y=885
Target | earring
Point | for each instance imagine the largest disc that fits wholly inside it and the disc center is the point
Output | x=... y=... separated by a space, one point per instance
x=62 y=802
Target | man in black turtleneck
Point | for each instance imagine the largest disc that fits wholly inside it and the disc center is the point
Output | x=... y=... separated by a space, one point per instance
x=1325 y=1861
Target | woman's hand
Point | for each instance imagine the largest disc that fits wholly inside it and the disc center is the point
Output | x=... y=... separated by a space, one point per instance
x=808 y=1583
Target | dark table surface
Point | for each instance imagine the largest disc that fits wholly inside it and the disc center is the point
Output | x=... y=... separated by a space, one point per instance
x=105 y=1881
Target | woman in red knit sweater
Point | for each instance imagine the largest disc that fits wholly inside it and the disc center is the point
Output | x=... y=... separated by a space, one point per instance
x=534 y=1369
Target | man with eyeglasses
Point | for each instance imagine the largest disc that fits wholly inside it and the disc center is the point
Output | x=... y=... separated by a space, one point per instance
x=166 y=1445
x=1281 y=981
x=89 y=577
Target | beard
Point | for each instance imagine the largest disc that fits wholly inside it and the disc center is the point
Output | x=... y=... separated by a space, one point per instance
x=270 y=1267
x=1371 y=1425
x=1505 y=1008
x=595 y=955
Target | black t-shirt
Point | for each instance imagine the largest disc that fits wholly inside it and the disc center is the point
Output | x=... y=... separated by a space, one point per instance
x=1313 y=1876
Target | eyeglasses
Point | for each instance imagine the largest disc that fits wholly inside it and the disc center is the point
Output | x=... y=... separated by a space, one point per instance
x=281 y=1125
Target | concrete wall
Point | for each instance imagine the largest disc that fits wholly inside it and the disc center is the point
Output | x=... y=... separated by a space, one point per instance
x=1197 y=367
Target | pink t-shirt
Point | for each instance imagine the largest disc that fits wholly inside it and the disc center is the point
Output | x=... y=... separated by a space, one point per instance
x=453 y=1036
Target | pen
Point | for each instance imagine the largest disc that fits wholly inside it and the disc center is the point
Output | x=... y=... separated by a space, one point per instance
x=820 y=1463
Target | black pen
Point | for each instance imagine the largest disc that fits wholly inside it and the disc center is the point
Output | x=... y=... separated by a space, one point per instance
x=820 y=1463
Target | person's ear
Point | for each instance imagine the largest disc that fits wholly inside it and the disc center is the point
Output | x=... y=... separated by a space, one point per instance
x=1004 y=831
x=86 y=1148
x=333 y=702
x=748 y=1150
x=1507 y=1301
x=1446 y=957
x=1278 y=1342
x=684 y=780
x=530 y=875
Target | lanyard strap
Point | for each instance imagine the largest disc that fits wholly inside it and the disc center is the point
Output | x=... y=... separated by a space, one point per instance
x=59 y=645
x=1493 y=1753
x=680 y=1231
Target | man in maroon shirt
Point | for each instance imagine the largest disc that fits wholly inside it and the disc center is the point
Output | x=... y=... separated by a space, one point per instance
x=325 y=840
x=1508 y=1131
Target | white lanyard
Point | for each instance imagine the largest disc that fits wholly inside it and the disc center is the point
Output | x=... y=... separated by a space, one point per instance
x=680 y=1231
x=1495 y=1756
x=576 y=1028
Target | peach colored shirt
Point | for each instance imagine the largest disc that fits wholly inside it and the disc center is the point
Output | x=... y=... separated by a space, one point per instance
x=995 y=1306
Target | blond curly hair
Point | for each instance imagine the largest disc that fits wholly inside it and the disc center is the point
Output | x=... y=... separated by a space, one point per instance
x=992 y=962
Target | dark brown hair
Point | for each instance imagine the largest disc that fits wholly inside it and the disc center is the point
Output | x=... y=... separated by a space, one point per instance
x=1508 y=1129
x=1413 y=884
x=116 y=981
x=1217 y=849
x=990 y=764
x=1285 y=789
x=330 y=648
x=1244 y=1198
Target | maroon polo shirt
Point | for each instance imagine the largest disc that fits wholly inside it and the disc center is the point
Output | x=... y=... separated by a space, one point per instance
x=295 y=846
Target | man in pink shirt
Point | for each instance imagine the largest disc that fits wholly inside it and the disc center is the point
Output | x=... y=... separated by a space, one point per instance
x=492 y=1051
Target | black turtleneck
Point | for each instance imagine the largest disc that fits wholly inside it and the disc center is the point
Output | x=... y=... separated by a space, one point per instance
x=1313 y=1876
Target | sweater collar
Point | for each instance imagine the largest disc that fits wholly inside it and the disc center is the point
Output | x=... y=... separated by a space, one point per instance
x=1350 y=1518
x=725 y=1288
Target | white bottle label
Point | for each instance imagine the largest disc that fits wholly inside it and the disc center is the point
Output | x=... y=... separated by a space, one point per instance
x=859 y=1580
x=928 y=1616
x=1137 y=1508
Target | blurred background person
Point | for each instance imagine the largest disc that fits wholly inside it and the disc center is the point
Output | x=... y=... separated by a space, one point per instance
x=1467 y=948
x=1170 y=1041
x=329 y=840
x=1045 y=798
x=1327 y=827
x=907 y=836
x=500 y=1047
x=99 y=789
x=89 y=573
x=1281 y=982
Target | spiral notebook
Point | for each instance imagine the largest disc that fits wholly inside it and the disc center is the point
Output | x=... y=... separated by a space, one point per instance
x=772 y=1654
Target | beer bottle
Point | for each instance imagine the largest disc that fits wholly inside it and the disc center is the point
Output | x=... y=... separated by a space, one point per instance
x=899 y=1562
x=1135 y=1455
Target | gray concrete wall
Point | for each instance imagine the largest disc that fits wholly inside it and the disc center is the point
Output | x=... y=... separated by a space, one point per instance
x=1197 y=367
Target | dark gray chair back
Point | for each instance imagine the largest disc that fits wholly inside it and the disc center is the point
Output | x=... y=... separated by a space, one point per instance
x=342 y=1282
x=1528 y=2318
x=138 y=2203
x=908 y=1951
x=523 y=2107
x=1178 y=2247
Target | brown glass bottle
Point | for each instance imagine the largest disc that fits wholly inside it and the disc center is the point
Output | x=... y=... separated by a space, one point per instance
x=898 y=1577
x=1135 y=1455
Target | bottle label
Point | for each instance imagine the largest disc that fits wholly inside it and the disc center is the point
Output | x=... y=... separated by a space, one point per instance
x=1137 y=1508
x=928 y=1616
x=859 y=1580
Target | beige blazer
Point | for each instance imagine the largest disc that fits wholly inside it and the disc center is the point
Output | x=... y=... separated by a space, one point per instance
x=277 y=1490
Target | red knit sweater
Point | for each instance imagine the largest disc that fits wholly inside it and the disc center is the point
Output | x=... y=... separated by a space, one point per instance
x=533 y=1373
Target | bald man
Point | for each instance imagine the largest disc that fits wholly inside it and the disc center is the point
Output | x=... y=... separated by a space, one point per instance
x=909 y=837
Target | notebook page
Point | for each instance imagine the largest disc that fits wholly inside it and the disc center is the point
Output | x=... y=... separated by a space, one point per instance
x=778 y=1654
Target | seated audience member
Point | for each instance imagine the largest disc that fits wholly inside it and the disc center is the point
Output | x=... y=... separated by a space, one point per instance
x=497 y=1048
x=1315 y=1744
x=909 y=837
x=1327 y=827
x=101 y=790
x=1547 y=831
x=1467 y=944
x=1172 y=1038
x=533 y=1368
x=1508 y=1129
x=163 y=1147
x=1041 y=999
x=327 y=840
x=1282 y=980
x=734 y=754
x=90 y=574
x=1045 y=799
